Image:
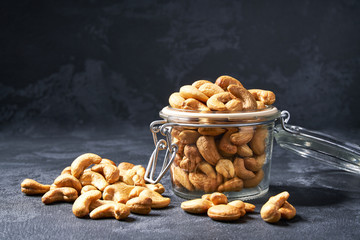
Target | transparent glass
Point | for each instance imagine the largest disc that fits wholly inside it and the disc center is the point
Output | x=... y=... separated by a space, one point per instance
x=221 y=152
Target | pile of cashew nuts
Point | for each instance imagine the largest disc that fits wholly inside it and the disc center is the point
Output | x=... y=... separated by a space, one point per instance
x=102 y=191
x=219 y=159
x=218 y=208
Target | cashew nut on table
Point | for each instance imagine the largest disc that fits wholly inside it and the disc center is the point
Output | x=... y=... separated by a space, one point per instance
x=277 y=207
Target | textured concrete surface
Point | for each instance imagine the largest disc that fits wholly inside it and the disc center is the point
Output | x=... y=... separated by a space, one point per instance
x=327 y=200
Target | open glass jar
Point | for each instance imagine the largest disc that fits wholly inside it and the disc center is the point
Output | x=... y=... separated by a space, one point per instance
x=216 y=151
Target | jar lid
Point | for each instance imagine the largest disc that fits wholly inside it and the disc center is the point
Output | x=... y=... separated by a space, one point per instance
x=270 y=113
x=317 y=145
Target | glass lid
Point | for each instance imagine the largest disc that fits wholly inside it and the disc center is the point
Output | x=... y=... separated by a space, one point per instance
x=316 y=145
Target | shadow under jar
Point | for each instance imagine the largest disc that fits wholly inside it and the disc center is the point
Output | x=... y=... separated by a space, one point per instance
x=227 y=152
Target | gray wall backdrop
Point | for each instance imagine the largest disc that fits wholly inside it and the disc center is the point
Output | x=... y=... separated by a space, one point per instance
x=80 y=64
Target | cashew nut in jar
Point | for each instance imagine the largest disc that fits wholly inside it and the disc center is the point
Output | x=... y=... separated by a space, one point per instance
x=224 y=101
x=191 y=159
x=199 y=83
x=248 y=100
x=225 y=145
x=202 y=182
x=257 y=143
x=210 y=89
x=225 y=81
x=264 y=96
x=208 y=149
x=189 y=91
x=193 y=104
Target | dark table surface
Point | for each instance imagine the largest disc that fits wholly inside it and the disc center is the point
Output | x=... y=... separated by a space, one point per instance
x=327 y=200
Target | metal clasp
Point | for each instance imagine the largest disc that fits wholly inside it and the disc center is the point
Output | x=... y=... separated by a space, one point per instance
x=285 y=117
x=160 y=145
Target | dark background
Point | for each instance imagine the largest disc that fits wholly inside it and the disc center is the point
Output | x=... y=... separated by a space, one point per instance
x=70 y=65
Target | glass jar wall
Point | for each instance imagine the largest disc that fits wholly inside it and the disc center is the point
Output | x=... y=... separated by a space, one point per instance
x=221 y=152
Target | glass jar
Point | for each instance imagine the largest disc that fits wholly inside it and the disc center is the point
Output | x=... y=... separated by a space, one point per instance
x=231 y=152
x=220 y=151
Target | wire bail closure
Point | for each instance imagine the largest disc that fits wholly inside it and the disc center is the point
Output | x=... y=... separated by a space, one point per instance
x=160 y=145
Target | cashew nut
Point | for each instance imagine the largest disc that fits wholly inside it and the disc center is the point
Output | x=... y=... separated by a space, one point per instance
x=136 y=191
x=95 y=179
x=67 y=180
x=140 y=205
x=239 y=204
x=111 y=210
x=188 y=136
x=198 y=83
x=117 y=192
x=249 y=207
x=206 y=196
x=270 y=210
x=234 y=105
x=211 y=131
x=158 y=201
x=88 y=188
x=135 y=176
x=218 y=198
x=191 y=159
x=255 y=163
x=176 y=100
x=189 y=91
x=83 y=161
x=97 y=203
x=181 y=177
x=66 y=170
x=224 y=212
x=225 y=81
x=217 y=101
x=265 y=96
x=202 y=182
x=249 y=102
x=240 y=170
x=158 y=187
x=193 y=104
x=124 y=167
x=81 y=205
x=107 y=161
x=226 y=168
x=243 y=136
x=260 y=105
x=32 y=187
x=253 y=182
x=219 y=179
x=109 y=171
x=196 y=206
x=232 y=185
x=64 y=194
x=225 y=145
x=257 y=143
x=207 y=169
x=244 y=151
x=210 y=89
x=287 y=211
x=207 y=149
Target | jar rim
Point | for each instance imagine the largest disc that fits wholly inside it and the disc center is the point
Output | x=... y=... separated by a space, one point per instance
x=173 y=114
